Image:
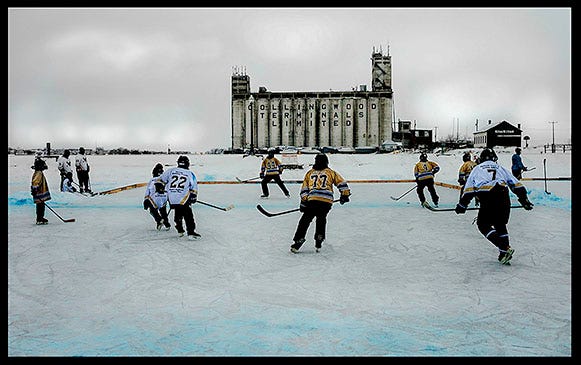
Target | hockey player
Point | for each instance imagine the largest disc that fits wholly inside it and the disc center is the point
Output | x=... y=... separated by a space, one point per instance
x=39 y=190
x=82 y=167
x=517 y=166
x=156 y=199
x=491 y=182
x=271 y=169
x=317 y=200
x=424 y=172
x=182 y=191
x=64 y=166
x=68 y=184
x=465 y=170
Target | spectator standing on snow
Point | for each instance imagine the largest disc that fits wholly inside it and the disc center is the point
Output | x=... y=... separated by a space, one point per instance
x=182 y=191
x=82 y=167
x=156 y=199
x=517 y=165
x=491 y=182
x=271 y=169
x=64 y=166
x=317 y=200
x=424 y=172
x=39 y=189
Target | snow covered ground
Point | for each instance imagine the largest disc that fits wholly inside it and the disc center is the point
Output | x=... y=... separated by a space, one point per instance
x=393 y=279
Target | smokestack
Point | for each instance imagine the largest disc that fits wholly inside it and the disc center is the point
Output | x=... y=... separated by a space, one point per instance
x=518 y=126
x=489 y=121
x=48 y=148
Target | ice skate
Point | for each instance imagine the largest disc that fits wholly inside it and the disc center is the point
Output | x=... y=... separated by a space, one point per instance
x=194 y=236
x=297 y=245
x=505 y=256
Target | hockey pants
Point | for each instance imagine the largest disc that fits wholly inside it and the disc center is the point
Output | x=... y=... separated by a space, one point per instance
x=276 y=179
x=493 y=216
x=184 y=212
x=315 y=209
x=427 y=183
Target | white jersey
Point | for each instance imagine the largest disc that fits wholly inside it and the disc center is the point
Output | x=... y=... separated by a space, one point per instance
x=68 y=186
x=64 y=165
x=158 y=200
x=179 y=184
x=81 y=163
x=486 y=175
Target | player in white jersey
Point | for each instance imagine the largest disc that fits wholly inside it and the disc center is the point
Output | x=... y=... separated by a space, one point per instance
x=156 y=199
x=82 y=167
x=64 y=166
x=182 y=191
x=490 y=182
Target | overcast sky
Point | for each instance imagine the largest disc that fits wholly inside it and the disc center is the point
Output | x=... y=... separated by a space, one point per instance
x=158 y=77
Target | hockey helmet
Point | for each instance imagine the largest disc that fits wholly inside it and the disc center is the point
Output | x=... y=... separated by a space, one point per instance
x=270 y=152
x=517 y=150
x=488 y=154
x=184 y=161
x=423 y=157
x=82 y=150
x=466 y=157
x=157 y=170
x=321 y=161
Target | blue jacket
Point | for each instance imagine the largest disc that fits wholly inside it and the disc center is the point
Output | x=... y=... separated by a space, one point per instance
x=517 y=162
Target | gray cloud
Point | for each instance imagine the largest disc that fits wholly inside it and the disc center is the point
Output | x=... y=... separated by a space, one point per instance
x=146 y=78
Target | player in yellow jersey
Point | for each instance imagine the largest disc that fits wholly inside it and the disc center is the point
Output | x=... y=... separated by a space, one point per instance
x=465 y=170
x=271 y=169
x=424 y=172
x=317 y=200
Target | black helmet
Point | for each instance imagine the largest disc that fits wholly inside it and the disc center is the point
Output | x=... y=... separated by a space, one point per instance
x=423 y=157
x=82 y=150
x=517 y=150
x=39 y=165
x=66 y=153
x=157 y=170
x=270 y=152
x=488 y=154
x=321 y=161
x=466 y=157
x=184 y=161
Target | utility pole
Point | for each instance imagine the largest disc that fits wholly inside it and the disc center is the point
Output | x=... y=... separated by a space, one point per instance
x=436 y=134
x=553 y=145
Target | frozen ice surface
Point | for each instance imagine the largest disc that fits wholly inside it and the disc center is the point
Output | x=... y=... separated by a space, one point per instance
x=392 y=279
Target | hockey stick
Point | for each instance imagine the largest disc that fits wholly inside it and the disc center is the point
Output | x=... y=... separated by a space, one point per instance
x=61 y=218
x=545 y=172
x=268 y=214
x=122 y=188
x=531 y=169
x=404 y=194
x=213 y=206
x=429 y=207
x=243 y=181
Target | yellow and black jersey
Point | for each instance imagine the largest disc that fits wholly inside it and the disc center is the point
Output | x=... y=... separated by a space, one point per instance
x=465 y=170
x=425 y=170
x=270 y=166
x=318 y=185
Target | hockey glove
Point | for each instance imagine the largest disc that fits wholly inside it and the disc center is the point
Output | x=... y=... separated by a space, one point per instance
x=303 y=207
x=526 y=203
x=262 y=175
x=343 y=199
x=193 y=198
x=460 y=209
x=145 y=204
